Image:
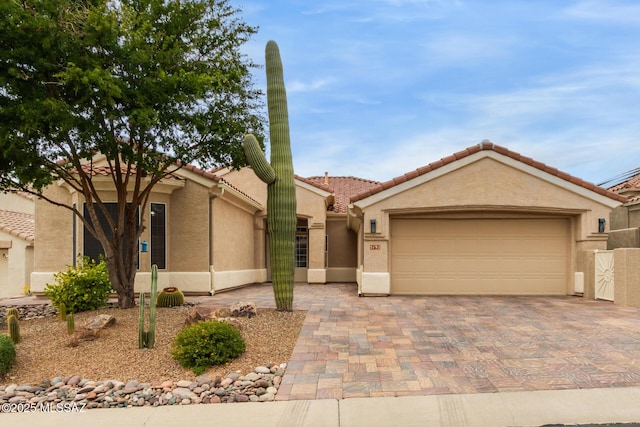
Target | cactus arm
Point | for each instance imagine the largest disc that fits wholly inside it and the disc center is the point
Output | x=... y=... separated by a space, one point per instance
x=141 y=333
x=257 y=161
x=151 y=341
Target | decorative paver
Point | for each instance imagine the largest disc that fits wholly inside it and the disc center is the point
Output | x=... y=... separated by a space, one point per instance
x=402 y=346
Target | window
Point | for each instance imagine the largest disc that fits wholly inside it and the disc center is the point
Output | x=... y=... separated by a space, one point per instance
x=158 y=235
x=91 y=246
x=302 y=245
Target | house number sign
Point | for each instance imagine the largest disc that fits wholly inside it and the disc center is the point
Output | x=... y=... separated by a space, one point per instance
x=374 y=247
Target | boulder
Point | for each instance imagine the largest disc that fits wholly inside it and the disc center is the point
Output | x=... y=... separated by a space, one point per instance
x=243 y=309
x=101 y=321
x=201 y=314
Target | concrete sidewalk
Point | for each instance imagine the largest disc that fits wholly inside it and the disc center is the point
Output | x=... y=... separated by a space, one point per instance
x=588 y=406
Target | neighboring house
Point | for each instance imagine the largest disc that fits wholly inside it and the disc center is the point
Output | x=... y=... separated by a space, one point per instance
x=482 y=221
x=625 y=220
x=16 y=242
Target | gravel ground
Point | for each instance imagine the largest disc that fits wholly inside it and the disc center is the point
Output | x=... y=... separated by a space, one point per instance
x=45 y=351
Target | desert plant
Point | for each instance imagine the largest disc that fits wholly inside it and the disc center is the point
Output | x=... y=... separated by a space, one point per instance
x=12 y=311
x=147 y=339
x=82 y=287
x=13 y=327
x=281 y=191
x=7 y=354
x=170 y=297
x=206 y=344
x=62 y=311
x=71 y=324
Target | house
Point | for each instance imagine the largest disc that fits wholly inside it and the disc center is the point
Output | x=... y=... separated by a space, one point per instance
x=485 y=220
x=625 y=219
x=16 y=242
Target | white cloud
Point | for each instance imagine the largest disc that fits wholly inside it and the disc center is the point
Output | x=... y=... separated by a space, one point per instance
x=614 y=12
x=299 y=86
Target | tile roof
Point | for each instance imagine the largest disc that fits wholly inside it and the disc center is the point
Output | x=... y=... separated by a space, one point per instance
x=483 y=146
x=18 y=224
x=343 y=188
x=211 y=175
x=633 y=183
x=630 y=187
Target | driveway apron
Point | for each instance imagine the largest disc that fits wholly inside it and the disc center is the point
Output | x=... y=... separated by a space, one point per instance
x=423 y=345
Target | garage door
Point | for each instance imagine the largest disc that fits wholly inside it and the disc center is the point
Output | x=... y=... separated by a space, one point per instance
x=479 y=256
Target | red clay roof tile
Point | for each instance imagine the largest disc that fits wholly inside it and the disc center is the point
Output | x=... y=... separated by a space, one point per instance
x=19 y=224
x=343 y=187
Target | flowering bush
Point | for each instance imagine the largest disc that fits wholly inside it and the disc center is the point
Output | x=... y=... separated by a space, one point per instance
x=82 y=287
x=205 y=344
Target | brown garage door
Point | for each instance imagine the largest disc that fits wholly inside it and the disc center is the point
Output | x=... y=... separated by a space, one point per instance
x=479 y=256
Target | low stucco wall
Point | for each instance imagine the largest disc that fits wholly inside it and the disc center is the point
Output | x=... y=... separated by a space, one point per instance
x=625 y=238
x=626 y=276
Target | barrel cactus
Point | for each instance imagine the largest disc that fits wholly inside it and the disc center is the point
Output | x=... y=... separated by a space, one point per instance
x=170 y=297
x=278 y=175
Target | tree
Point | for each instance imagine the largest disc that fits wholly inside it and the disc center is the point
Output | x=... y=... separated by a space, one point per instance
x=150 y=84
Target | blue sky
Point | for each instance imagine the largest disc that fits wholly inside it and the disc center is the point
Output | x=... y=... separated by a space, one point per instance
x=377 y=88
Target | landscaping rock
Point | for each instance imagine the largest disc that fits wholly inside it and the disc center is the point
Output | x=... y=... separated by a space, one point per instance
x=243 y=309
x=253 y=387
x=201 y=314
x=101 y=321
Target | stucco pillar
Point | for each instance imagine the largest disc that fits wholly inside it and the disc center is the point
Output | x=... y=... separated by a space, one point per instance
x=376 y=279
x=626 y=277
x=317 y=272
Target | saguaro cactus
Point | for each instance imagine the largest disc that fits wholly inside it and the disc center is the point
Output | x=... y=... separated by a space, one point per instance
x=281 y=191
x=148 y=338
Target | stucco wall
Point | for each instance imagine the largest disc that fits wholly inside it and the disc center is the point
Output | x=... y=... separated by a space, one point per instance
x=189 y=228
x=53 y=232
x=16 y=264
x=486 y=184
x=624 y=238
x=626 y=277
x=342 y=244
x=233 y=237
x=619 y=218
x=16 y=203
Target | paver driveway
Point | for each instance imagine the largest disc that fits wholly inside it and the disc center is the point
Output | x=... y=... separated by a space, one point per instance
x=399 y=345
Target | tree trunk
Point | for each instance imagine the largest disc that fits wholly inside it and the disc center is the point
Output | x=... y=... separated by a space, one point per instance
x=122 y=269
x=122 y=282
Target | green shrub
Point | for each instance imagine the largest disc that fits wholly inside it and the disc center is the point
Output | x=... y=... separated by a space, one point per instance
x=82 y=287
x=7 y=354
x=206 y=344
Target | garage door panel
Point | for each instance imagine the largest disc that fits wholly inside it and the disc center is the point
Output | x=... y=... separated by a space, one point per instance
x=479 y=256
